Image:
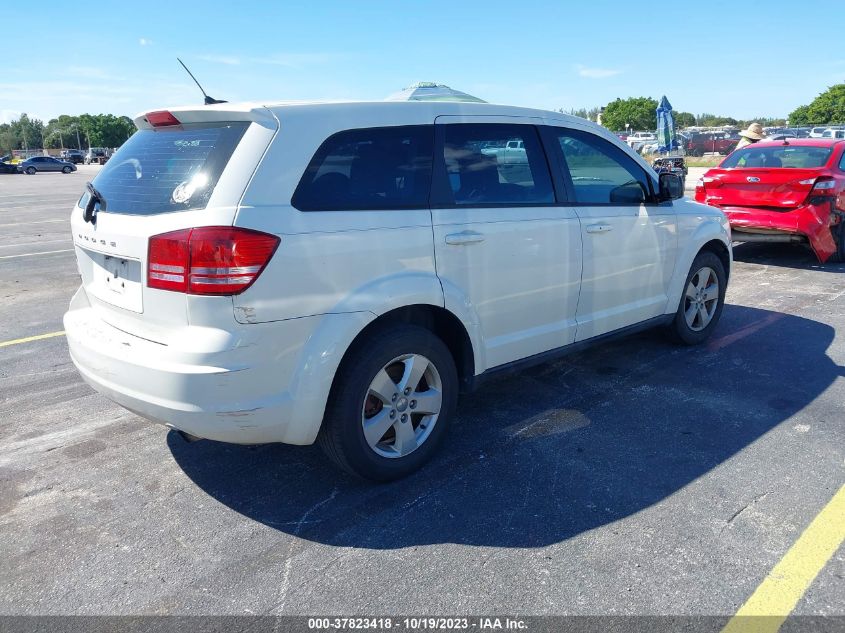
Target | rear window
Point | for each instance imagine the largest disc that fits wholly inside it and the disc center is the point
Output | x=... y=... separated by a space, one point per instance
x=369 y=169
x=789 y=156
x=167 y=169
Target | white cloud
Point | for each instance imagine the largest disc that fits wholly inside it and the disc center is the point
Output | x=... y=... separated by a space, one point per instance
x=596 y=73
x=228 y=60
x=7 y=116
x=296 y=60
x=288 y=60
x=88 y=72
x=145 y=42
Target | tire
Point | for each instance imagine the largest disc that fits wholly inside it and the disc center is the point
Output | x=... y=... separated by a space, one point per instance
x=66 y=170
x=30 y=170
x=706 y=270
x=362 y=396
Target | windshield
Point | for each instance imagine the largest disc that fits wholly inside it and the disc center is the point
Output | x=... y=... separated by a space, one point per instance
x=787 y=156
x=167 y=169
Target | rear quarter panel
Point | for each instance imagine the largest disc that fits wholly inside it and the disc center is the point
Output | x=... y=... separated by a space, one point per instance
x=332 y=261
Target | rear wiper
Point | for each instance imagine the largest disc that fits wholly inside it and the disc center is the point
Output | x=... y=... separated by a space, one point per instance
x=95 y=201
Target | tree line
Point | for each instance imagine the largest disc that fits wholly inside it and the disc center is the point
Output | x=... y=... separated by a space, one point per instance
x=65 y=131
x=828 y=107
x=639 y=113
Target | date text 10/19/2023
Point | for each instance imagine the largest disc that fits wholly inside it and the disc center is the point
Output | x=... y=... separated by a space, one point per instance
x=417 y=624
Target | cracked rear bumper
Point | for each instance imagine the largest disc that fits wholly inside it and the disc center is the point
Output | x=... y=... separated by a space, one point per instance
x=810 y=221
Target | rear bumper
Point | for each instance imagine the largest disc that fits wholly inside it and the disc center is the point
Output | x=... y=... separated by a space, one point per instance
x=242 y=392
x=812 y=222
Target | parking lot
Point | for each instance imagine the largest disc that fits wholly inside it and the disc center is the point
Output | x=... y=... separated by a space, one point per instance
x=635 y=478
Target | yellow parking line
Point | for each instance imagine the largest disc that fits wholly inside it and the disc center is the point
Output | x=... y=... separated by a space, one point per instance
x=768 y=607
x=29 y=339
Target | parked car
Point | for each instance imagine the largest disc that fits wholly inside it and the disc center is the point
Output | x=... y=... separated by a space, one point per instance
x=817 y=132
x=45 y=163
x=8 y=168
x=75 y=156
x=783 y=192
x=710 y=143
x=781 y=137
x=671 y=164
x=96 y=155
x=252 y=282
x=833 y=133
x=636 y=140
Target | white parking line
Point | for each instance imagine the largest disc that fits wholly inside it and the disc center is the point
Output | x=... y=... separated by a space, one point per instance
x=35 y=222
x=64 y=239
x=66 y=250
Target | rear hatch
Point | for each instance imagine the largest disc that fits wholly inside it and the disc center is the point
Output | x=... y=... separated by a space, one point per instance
x=182 y=169
x=773 y=178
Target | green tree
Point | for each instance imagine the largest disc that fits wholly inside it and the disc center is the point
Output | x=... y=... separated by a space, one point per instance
x=637 y=112
x=684 y=119
x=711 y=120
x=106 y=130
x=800 y=116
x=828 y=107
x=585 y=113
x=29 y=131
x=8 y=139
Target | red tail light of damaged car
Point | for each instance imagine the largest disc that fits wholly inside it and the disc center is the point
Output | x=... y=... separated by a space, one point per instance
x=212 y=260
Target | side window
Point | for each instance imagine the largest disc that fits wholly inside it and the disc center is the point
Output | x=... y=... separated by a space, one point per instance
x=842 y=162
x=369 y=169
x=601 y=173
x=494 y=164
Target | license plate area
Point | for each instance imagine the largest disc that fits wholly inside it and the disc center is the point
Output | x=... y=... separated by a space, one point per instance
x=116 y=281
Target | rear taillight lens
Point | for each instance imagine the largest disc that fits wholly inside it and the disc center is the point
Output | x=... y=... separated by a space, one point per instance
x=168 y=261
x=211 y=260
x=824 y=187
x=699 y=190
x=824 y=190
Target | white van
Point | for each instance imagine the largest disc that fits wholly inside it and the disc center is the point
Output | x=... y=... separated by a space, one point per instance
x=288 y=273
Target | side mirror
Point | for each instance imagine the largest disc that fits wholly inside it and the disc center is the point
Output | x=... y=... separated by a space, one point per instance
x=671 y=187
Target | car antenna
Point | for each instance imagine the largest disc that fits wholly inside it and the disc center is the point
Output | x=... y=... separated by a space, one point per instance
x=208 y=100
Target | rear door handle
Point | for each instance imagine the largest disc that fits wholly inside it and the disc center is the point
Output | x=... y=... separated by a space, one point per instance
x=464 y=237
x=599 y=228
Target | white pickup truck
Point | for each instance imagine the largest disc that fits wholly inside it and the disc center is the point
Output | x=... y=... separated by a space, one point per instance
x=511 y=160
x=636 y=140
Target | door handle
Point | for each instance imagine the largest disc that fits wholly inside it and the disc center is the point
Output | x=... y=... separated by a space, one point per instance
x=464 y=237
x=599 y=228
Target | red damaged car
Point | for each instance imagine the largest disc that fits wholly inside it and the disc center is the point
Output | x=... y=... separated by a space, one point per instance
x=783 y=191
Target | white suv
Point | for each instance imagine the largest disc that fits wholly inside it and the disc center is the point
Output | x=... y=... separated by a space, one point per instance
x=289 y=273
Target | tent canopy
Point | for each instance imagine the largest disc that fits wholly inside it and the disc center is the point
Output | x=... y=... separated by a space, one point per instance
x=665 y=127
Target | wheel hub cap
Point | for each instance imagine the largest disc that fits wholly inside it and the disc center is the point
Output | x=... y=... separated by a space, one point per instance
x=401 y=406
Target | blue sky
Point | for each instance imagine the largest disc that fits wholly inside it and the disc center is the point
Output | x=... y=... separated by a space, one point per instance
x=719 y=57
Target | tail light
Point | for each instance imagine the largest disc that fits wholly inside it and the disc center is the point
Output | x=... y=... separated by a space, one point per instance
x=824 y=189
x=701 y=184
x=211 y=260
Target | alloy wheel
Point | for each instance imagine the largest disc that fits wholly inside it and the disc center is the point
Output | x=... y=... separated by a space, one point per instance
x=701 y=299
x=402 y=405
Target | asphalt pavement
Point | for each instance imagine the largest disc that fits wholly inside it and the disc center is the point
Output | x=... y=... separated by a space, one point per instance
x=638 y=477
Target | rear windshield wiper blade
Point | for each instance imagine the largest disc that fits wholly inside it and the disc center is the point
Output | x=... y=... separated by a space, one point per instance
x=95 y=200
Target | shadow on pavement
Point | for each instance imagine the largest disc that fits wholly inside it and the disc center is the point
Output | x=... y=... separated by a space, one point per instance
x=783 y=255
x=542 y=456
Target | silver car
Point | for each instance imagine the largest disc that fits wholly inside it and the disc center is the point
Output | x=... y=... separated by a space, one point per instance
x=45 y=163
